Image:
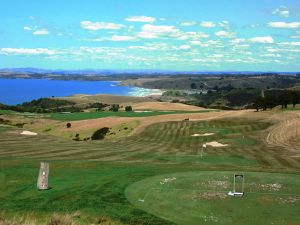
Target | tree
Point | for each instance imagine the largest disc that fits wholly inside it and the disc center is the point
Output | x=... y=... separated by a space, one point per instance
x=68 y=125
x=258 y=103
x=284 y=99
x=128 y=108
x=193 y=86
x=264 y=103
x=114 y=108
x=295 y=98
x=216 y=87
x=100 y=106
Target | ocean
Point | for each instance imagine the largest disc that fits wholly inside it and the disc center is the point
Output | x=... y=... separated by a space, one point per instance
x=16 y=91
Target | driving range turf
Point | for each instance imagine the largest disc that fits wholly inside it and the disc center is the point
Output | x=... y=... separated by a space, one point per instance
x=93 y=177
x=200 y=197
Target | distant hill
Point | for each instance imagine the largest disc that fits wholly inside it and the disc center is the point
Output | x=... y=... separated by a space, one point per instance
x=30 y=70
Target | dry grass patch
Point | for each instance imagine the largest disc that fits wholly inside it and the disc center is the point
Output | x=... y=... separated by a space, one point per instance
x=57 y=219
x=167 y=106
x=209 y=196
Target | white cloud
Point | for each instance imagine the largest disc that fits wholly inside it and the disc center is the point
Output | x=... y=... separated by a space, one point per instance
x=198 y=60
x=113 y=38
x=223 y=33
x=273 y=50
x=188 y=24
x=213 y=42
x=216 y=56
x=93 y=39
x=290 y=43
x=152 y=31
x=283 y=50
x=238 y=40
x=27 y=28
x=101 y=50
x=195 y=35
x=122 y=38
x=291 y=25
x=266 y=39
x=191 y=35
x=88 y=25
x=199 y=43
x=27 y=51
x=41 y=32
x=207 y=24
x=184 y=47
x=141 y=47
x=142 y=19
x=196 y=42
x=282 y=11
x=148 y=35
x=272 y=55
x=224 y=23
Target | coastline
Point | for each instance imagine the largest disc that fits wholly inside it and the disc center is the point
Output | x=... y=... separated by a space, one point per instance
x=145 y=92
x=43 y=88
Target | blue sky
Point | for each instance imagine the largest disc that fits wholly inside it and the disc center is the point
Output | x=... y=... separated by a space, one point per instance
x=187 y=35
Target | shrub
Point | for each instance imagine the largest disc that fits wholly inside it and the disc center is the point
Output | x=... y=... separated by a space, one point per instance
x=100 y=134
x=77 y=138
x=114 y=108
x=128 y=108
x=68 y=125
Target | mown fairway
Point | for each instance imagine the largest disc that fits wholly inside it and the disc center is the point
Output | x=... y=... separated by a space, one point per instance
x=94 y=115
x=92 y=176
x=170 y=142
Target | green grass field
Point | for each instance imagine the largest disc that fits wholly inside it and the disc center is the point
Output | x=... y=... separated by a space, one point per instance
x=92 y=177
x=95 y=115
x=200 y=197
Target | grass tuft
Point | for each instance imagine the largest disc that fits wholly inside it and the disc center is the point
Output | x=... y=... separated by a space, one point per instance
x=57 y=219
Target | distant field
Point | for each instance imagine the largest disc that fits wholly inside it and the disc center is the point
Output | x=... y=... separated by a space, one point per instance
x=107 y=99
x=94 y=115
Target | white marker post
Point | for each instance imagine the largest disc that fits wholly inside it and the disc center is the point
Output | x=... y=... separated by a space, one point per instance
x=42 y=183
x=203 y=146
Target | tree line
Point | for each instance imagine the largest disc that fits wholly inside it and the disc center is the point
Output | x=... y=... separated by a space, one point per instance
x=51 y=105
x=275 y=98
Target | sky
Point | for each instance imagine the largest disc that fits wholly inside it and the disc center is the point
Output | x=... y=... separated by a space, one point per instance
x=181 y=35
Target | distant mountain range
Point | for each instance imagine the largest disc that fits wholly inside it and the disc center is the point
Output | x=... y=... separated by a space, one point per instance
x=30 y=70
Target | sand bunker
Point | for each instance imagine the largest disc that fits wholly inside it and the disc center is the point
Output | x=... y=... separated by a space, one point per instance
x=216 y=144
x=142 y=111
x=26 y=132
x=202 y=135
